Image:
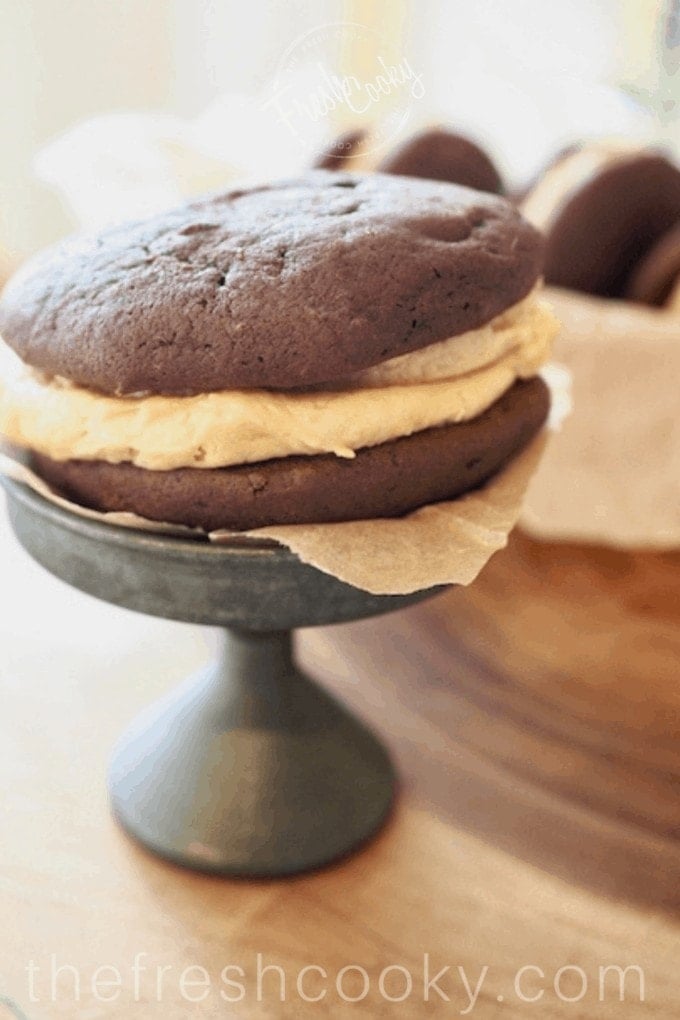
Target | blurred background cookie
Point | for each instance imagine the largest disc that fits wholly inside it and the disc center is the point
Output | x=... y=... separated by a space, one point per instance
x=338 y=155
x=437 y=153
x=653 y=280
x=443 y=155
x=602 y=209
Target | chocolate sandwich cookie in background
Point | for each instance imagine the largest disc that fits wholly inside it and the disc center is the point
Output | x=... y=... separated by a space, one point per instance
x=436 y=154
x=602 y=208
x=673 y=300
x=336 y=347
x=655 y=277
x=442 y=155
x=339 y=154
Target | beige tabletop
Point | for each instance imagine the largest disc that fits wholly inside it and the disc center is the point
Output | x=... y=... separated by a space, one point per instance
x=535 y=718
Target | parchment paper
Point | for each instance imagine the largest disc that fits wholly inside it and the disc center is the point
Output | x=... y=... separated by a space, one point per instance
x=445 y=543
x=612 y=474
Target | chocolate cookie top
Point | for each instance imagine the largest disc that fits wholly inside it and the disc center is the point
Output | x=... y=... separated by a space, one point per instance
x=278 y=286
x=442 y=155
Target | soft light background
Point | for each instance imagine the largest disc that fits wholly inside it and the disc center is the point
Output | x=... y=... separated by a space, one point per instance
x=524 y=75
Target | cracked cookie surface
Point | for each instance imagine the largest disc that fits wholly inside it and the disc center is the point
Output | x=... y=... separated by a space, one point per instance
x=290 y=284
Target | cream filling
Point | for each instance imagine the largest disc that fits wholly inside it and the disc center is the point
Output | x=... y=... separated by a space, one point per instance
x=433 y=387
x=547 y=199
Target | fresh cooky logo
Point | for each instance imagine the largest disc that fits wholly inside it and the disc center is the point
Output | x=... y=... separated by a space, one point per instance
x=308 y=89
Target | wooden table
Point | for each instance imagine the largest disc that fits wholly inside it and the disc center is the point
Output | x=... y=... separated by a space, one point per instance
x=535 y=718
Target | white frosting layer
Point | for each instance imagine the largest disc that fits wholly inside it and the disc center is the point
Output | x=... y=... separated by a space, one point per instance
x=452 y=381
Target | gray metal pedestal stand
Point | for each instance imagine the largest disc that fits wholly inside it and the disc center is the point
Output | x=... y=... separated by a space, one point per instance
x=250 y=768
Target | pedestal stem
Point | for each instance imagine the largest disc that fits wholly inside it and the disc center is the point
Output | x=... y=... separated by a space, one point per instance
x=257 y=674
x=251 y=768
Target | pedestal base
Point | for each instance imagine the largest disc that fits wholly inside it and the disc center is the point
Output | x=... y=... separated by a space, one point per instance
x=250 y=769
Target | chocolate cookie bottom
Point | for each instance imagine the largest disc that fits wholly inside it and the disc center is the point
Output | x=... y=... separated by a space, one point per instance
x=381 y=481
